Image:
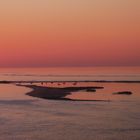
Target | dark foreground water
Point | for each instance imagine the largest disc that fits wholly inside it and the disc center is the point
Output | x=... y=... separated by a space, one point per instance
x=26 y=118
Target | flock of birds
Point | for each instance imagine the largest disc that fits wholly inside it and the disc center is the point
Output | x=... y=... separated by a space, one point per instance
x=47 y=83
x=58 y=83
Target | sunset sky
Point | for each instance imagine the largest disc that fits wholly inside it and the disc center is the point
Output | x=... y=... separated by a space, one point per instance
x=38 y=33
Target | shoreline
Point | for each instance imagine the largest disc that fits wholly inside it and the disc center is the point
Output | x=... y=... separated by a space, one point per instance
x=80 y=81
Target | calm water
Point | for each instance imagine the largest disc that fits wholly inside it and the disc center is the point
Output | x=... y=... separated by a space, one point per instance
x=59 y=74
x=27 y=118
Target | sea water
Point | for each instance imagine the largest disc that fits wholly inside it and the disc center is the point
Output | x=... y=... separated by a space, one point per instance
x=71 y=74
x=27 y=118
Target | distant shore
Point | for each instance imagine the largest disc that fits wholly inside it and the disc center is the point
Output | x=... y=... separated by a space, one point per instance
x=99 y=81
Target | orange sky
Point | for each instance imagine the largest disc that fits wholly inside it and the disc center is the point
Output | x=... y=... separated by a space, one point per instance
x=69 y=33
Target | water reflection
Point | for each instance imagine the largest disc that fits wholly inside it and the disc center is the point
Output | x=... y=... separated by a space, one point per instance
x=13 y=92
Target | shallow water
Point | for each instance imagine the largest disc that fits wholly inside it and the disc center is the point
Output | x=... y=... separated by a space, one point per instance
x=13 y=92
x=28 y=118
x=107 y=92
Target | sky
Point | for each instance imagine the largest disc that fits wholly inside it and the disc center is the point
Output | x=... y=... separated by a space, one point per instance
x=41 y=33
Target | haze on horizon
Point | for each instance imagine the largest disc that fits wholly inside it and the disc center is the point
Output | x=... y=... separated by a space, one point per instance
x=69 y=33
